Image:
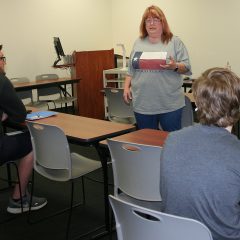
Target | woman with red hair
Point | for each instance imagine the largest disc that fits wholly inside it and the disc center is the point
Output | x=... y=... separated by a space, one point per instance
x=154 y=81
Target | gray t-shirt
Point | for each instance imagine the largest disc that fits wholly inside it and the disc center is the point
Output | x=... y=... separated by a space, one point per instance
x=155 y=90
x=200 y=178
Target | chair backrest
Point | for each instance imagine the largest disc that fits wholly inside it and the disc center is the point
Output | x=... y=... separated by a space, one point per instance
x=52 y=157
x=49 y=90
x=26 y=94
x=187 y=113
x=117 y=108
x=135 y=222
x=119 y=62
x=136 y=170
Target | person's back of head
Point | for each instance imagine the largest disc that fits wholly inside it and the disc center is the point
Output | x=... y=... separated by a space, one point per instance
x=217 y=96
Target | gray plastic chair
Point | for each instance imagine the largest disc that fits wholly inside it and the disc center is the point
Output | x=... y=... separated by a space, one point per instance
x=118 y=110
x=134 y=222
x=53 y=160
x=53 y=94
x=27 y=96
x=136 y=172
x=187 y=113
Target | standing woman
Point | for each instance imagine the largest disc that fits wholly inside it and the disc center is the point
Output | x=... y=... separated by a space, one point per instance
x=154 y=81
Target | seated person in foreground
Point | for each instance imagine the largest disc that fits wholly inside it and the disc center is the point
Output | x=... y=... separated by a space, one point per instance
x=200 y=164
x=16 y=147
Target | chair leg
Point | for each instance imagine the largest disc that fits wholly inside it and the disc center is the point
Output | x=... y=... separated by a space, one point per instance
x=70 y=211
x=55 y=106
x=19 y=184
x=73 y=108
x=83 y=190
x=9 y=178
x=111 y=225
x=31 y=195
x=16 y=182
x=10 y=185
x=9 y=175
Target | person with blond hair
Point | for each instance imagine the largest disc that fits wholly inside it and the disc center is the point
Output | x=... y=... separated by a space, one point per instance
x=154 y=81
x=200 y=164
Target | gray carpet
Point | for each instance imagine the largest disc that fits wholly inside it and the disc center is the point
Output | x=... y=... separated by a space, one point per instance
x=84 y=219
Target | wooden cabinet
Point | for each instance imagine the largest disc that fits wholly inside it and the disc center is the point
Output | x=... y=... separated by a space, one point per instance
x=89 y=67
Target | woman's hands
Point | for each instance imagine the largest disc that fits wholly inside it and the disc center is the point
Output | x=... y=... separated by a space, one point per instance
x=172 y=65
x=175 y=66
x=127 y=95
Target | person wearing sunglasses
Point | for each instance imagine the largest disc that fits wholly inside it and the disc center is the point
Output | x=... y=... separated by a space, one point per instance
x=18 y=146
x=154 y=81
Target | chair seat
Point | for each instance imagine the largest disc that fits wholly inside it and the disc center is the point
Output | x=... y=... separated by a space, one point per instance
x=39 y=104
x=60 y=100
x=82 y=165
x=63 y=100
x=127 y=120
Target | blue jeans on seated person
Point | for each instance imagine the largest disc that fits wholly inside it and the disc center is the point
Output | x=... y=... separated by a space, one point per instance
x=170 y=121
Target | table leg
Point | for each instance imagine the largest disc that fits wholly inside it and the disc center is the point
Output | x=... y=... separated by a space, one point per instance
x=103 y=158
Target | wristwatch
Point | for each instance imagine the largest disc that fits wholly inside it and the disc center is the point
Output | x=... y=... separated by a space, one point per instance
x=176 y=68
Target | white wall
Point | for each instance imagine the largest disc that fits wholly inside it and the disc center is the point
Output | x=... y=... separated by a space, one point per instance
x=209 y=28
x=28 y=28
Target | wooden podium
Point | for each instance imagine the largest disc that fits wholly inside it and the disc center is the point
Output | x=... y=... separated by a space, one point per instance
x=89 y=66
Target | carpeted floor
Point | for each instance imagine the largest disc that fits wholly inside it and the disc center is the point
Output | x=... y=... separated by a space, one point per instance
x=85 y=218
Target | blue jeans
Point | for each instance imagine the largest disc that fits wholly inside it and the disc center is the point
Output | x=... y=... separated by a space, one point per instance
x=170 y=121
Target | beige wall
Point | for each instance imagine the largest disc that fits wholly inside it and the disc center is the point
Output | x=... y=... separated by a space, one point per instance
x=209 y=28
x=28 y=28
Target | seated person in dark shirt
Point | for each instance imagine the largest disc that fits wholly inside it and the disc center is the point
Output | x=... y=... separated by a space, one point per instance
x=16 y=147
x=200 y=164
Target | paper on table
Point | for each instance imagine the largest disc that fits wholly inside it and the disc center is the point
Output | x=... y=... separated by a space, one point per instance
x=41 y=114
